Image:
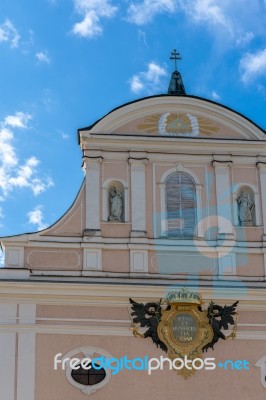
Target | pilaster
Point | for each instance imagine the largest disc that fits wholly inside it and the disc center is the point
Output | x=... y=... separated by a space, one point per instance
x=93 y=172
x=223 y=199
x=138 y=196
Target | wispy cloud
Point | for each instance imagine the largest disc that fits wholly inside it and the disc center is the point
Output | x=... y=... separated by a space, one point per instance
x=14 y=173
x=142 y=37
x=49 y=100
x=253 y=65
x=209 y=11
x=142 y=13
x=43 y=57
x=232 y=22
x=245 y=39
x=149 y=80
x=36 y=217
x=63 y=135
x=9 y=34
x=18 y=120
x=92 y=12
x=215 y=95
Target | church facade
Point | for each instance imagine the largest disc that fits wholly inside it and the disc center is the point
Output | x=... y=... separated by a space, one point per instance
x=174 y=196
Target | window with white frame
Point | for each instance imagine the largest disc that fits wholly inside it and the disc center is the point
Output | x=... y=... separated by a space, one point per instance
x=181 y=205
x=87 y=377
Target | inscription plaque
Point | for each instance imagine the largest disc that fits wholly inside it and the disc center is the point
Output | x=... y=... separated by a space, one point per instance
x=184 y=328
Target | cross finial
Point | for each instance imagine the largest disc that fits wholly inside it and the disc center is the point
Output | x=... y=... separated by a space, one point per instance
x=175 y=56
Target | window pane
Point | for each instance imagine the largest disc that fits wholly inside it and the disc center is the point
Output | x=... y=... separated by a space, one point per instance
x=181 y=205
x=88 y=377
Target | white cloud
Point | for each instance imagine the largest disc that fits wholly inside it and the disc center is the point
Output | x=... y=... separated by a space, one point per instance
x=142 y=37
x=13 y=173
x=9 y=34
x=92 y=11
x=215 y=95
x=149 y=80
x=64 y=135
x=234 y=19
x=142 y=13
x=43 y=57
x=209 y=11
x=253 y=65
x=49 y=100
x=18 y=120
x=245 y=39
x=35 y=217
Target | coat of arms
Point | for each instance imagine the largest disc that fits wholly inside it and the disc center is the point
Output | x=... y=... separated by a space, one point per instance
x=181 y=327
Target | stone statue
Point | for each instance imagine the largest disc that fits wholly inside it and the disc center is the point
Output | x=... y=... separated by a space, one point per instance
x=116 y=205
x=245 y=208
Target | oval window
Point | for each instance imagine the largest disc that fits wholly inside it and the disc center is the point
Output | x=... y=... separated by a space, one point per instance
x=90 y=376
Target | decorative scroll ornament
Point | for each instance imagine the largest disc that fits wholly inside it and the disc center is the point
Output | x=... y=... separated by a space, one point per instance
x=180 y=327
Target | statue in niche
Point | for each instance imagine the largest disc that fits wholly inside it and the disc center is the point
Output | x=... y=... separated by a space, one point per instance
x=116 y=205
x=245 y=208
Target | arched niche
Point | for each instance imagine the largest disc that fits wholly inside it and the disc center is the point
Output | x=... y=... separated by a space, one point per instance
x=115 y=201
x=246 y=206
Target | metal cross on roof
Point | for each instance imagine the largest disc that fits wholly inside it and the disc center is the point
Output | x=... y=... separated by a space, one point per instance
x=175 y=56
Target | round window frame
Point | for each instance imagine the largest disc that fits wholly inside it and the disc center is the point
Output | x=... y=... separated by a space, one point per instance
x=88 y=352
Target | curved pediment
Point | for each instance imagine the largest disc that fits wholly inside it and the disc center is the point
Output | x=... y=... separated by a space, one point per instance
x=178 y=116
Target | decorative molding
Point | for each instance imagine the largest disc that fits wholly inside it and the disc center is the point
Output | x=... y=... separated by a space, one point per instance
x=137 y=164
x=92 y=163
x=221 y=167
x=115 y=294
x=14 y=257
x=104 y=330
x=227 y=264
x=138 y=261
x=183 y=169
x=261 y=167
x=87 y=352
x=92 y=259
x=49 y=255
x=261 y=363
x=185 y=104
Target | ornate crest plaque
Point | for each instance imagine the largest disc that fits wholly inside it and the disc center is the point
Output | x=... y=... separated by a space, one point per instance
x=185 y=328
x=180 y=327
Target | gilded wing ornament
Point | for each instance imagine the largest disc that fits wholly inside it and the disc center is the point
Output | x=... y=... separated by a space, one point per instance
x=220 y=318
x=147 y=316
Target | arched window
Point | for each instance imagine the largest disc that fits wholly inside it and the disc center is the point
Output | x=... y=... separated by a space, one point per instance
x=180 y=205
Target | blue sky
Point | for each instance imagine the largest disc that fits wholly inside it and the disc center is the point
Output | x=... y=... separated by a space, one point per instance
x=66 y=63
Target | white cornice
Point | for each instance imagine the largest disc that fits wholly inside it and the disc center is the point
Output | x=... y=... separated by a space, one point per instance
x=113 y=295
x=100 y=330
x=178 y=145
